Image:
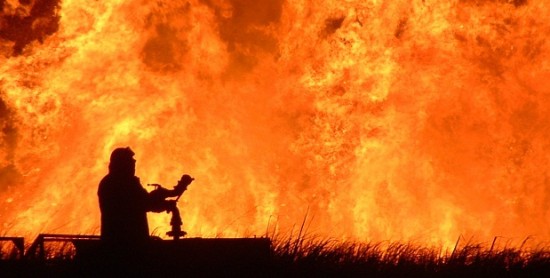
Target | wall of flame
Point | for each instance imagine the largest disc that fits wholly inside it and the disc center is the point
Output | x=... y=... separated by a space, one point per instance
x=371 y=120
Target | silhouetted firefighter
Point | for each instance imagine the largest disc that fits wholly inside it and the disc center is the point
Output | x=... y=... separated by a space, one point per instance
x=124 y=203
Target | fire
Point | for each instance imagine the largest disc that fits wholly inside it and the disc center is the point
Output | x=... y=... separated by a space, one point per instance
x=370 y=120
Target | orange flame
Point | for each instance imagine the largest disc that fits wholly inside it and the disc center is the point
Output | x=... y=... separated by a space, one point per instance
x=401 y=120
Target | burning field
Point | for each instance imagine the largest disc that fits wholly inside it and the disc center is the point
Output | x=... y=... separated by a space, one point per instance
x=371 y=120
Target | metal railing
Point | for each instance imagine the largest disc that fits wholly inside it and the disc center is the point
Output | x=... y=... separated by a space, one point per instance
x=18 y=242
x=37 y=249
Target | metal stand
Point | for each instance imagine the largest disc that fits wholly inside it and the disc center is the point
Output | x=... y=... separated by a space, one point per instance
x=176 y=223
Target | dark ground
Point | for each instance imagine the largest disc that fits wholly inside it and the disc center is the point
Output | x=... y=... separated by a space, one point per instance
x=259 y=257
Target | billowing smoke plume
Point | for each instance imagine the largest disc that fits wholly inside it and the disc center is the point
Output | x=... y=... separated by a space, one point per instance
x=26 y=21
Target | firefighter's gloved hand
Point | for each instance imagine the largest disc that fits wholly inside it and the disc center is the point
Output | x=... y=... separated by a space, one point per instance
x=163 y=205
x=171 y=205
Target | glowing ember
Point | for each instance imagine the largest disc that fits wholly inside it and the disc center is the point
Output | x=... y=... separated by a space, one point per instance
x=401 y=120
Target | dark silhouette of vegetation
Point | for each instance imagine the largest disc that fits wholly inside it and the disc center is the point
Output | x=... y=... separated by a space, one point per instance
x=315 y=257
x=328 y=258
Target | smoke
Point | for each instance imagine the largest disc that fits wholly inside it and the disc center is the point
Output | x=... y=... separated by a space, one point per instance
x=9 y=176
x=26 y=22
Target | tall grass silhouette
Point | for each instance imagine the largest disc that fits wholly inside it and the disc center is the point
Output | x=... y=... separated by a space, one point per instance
x=311 y=256
x=317 y=257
